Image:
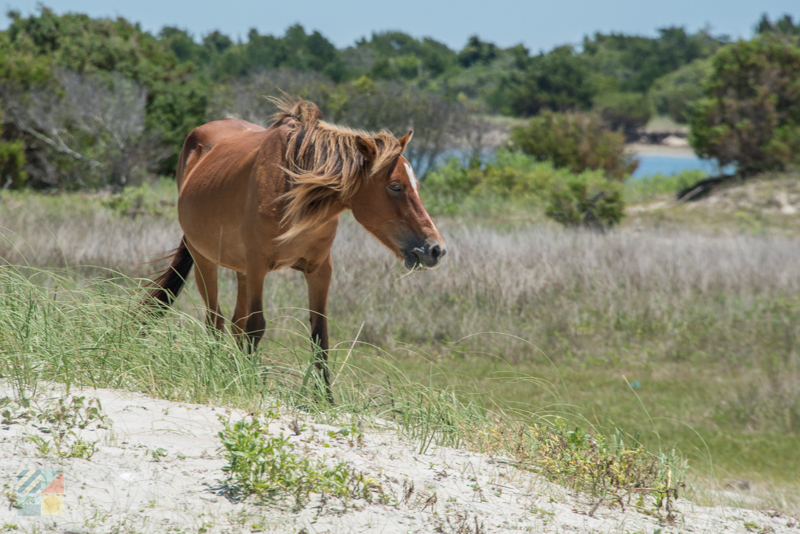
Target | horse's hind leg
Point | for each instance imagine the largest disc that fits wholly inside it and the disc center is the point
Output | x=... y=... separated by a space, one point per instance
x=239 y=326
x=319 y=282
x=206 y=277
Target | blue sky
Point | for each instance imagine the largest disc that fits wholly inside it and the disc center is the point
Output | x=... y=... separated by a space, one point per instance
x=539 y=25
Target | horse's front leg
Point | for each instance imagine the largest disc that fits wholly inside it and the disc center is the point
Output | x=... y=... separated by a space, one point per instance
x=240 y=314
x=319 y=280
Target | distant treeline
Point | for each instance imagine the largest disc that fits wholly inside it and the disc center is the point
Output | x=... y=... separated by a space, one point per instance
x=88 y=102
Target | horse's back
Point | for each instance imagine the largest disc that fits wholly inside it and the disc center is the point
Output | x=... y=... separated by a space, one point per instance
x=238 y=137
x=214 y=175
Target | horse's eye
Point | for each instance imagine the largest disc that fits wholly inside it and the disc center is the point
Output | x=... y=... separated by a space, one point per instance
x=396 y=187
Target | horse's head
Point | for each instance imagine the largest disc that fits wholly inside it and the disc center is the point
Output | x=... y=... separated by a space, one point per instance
x=389 y=206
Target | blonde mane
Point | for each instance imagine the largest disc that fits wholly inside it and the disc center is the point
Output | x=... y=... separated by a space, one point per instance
x=324 y=163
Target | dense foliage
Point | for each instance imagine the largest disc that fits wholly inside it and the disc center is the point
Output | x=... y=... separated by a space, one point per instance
x=88 y=103
x=674 y=95
x=576 y=141
x=624 y=111
x=515 y=183
x=751 y=113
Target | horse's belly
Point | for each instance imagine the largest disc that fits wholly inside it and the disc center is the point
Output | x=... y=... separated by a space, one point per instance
x=227 y=250
x=210 y=215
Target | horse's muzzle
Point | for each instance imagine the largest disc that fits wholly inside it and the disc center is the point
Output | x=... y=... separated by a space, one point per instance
x=424 y=257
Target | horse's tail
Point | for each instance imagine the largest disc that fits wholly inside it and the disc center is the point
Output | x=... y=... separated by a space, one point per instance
x=167 y=287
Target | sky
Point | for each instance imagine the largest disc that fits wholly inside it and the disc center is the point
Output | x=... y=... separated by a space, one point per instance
x=539 y=25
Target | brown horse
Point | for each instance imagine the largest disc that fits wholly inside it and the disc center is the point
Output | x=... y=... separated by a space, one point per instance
x=257 y=200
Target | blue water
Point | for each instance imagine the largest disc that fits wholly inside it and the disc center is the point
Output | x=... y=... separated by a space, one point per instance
x=648 y=165
x=668 y=165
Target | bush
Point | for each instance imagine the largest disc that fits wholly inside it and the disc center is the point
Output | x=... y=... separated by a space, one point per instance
x=623 y=111
x=513 y=182
x=576 y=141
x=674 y=94
x=12 y=164
x=589 y=200
x=751 y=113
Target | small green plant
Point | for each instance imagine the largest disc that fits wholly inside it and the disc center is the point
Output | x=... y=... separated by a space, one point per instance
x=58 y=420
x=13 y=499
x=158 y=454
x=63 y=447
x=753 y=527
x=267 y=466
x=612 y=468
x=607 y=467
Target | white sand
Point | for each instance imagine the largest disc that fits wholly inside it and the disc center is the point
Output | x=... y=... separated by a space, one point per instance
x=644 y=149
x=121 y=489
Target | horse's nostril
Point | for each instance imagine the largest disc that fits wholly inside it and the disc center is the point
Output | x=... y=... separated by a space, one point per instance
x=444 y=251
x=436 y=251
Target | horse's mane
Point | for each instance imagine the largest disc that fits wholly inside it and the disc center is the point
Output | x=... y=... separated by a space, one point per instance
x=324 y=163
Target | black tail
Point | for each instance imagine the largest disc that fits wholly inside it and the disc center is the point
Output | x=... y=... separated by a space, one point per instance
x=167 y=287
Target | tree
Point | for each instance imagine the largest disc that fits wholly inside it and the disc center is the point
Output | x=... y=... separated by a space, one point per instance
x=396 y=54
x=476 y=51
x=99 y=47
x=636 y=61
x=88 y=132
x=751 y=113
x=623 y=111
x=784 y=25
x=557 y=81
x=675 y=93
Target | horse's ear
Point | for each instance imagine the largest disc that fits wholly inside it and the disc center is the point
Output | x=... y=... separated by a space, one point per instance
x=366 y=147
x=405 y=139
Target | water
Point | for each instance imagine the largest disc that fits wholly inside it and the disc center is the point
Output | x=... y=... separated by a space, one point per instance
x=668 y=165
x=648 y=164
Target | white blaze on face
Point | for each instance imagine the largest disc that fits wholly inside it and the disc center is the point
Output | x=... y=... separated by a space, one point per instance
x=411 y=176
x=415 y=184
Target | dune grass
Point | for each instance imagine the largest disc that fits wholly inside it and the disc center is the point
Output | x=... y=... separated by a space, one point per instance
x=92 y=333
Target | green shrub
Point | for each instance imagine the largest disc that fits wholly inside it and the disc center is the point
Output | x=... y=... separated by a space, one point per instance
x=576 y=141
x=510 y=179
x=623 y=111
x=514 y=182
x=751 y=113
x=674 y=94
x=589 y=200
x=12 y=164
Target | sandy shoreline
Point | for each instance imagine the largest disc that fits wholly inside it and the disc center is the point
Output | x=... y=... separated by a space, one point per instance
x=643 y=149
